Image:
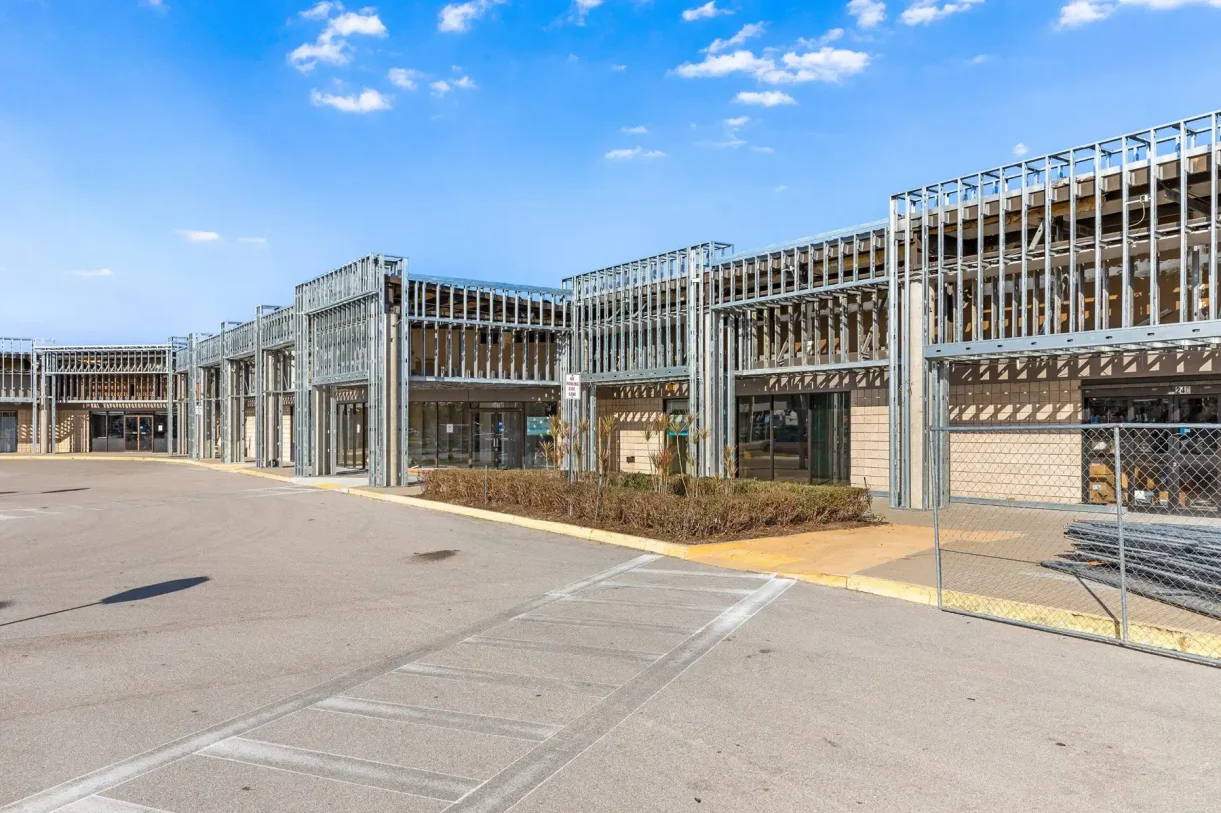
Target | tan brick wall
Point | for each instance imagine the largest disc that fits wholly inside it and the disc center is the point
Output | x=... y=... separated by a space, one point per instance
x=71 y=430
x=869 y=427
x=634 y=414
x=1030 y=466
x=286 y=437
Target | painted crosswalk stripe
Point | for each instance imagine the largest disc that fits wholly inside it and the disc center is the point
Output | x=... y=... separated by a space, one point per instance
x=627 y=602
x=684 y=588
x=458 y=673
x=439 y=718
x=343 y=769
x=104 y=804
x=606 y=623
x=567 y=649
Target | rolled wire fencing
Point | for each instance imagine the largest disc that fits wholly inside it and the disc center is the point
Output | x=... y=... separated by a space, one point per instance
x=1106 y=531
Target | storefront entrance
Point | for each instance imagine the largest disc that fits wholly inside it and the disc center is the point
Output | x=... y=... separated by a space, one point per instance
x=351 y=448
x=498 y=438
x=127 y=432
x=795 y=438
x=495 y=434
x=8 y=432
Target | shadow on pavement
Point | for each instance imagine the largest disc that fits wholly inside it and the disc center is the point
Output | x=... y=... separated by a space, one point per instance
x=135 y=594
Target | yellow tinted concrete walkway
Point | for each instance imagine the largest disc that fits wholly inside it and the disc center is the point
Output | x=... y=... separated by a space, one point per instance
x=836 y=552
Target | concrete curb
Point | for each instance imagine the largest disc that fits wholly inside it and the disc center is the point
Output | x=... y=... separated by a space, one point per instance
x=1189 y=643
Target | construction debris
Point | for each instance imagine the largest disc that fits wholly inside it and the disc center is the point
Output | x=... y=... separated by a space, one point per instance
x=1175 y=564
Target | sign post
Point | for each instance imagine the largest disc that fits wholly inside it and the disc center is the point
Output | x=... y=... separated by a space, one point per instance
x=572 y=393
x=572 y=387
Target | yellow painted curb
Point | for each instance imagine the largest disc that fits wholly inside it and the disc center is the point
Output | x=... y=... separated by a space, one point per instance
x=1202 y=644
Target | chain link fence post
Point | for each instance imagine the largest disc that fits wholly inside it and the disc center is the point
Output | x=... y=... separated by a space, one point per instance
x=1123 y=565
x=936 y=455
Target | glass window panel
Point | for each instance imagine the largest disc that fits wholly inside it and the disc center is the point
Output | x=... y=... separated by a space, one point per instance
x=538 y=428
x=1106 y=410
x=755 y=449
x=790 y=438
x=97 y=432
x=415 y=434
x=428 y=437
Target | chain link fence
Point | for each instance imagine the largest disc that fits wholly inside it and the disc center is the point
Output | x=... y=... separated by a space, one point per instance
x=1105 y=531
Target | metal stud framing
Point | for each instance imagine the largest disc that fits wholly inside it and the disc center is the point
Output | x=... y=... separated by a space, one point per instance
x=1105 y=247
x=1109 y=246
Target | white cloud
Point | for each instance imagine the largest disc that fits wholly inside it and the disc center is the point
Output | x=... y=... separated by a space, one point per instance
x=193 y=236
x=824 y=65
x=781 y=188
x=923 y=12
x=580 y=8
x=705 y=12
x=980 y=59
x=1020 y=149
x=456 y=18
x=765 y=150
x=253 y=241
x=405 y=78
x=748 y=31
x=735 y=123
x=1082 y=12
x=639 y=129
x=618 y=68
x=732 y=143
x=368 y=101
x=868 y=13
x=332 y=46
x=633 y=153
x=365 y=22
x=724 y=65
x=768 y=98
x=93 y=273
x=444 y=86
x=326 y=49
x=319 y=11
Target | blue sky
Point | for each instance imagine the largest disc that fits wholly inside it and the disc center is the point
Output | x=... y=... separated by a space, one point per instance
x=168 y=165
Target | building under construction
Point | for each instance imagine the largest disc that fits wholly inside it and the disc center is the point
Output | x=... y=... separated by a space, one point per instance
x=1072 y=288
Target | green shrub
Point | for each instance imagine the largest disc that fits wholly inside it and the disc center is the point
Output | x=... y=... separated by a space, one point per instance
x=690 y=509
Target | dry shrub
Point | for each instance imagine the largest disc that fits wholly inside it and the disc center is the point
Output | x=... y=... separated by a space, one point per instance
x=631 y=502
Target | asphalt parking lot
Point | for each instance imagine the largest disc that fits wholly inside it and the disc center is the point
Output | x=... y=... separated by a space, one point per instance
x=180 y=639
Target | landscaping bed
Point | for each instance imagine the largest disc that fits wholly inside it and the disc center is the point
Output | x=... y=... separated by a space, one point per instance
x=678 y=509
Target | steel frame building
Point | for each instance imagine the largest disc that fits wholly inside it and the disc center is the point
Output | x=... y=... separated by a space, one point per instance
x=1062 y=272
x=61 y=396
x=1084 y=267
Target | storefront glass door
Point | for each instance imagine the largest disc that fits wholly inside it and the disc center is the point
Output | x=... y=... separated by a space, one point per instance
x=498 y=436
x=795 y=438
x=144 y=439
x=8 y=431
